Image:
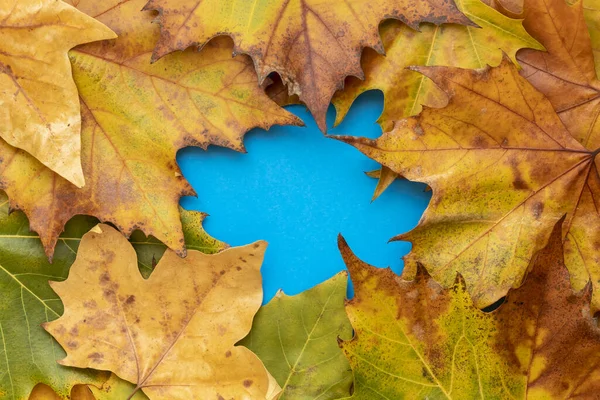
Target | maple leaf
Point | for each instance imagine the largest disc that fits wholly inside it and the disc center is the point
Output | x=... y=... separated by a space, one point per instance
x=172 y=334
x=135 y=117
x=28 y=354
x=405 y=91
x=417 y=340
x=40 y=109
x=296 y=338
x=313 y=45
x=566 y=73
x=503 y=170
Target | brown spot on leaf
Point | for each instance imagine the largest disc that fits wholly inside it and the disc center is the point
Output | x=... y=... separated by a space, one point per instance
x=96 y=357
x=248 y=383
x=538 y=209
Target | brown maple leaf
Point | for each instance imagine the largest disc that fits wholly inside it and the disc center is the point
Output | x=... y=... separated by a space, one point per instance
x=566 y=72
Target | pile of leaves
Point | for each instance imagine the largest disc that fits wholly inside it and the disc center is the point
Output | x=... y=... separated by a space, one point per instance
x=109 y=290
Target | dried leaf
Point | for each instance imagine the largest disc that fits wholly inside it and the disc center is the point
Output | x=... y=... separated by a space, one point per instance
x=503 y=170
x=591 y=12
x=566 y=73
x=385 y=177
x=28 y=354
x=173 y=334
x=38 y=98
x=416 y=340
x=405 y=91
x=296 y=338
x=26 y=299
x=135 y=118
x=116 y=388
x=312 y=44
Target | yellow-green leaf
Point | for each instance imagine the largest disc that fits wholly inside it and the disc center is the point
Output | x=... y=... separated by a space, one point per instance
x=39 y=108
x=417 y=340
x=406 y=91
x=296 y=338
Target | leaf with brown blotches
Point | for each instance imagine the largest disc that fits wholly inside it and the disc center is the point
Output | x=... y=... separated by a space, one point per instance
x=26 y=299
x=39 y=109
x=417 y=340
x=313 y=45
x=503 y=169
x=136 y=116
x=406 y=91
x=173 y=334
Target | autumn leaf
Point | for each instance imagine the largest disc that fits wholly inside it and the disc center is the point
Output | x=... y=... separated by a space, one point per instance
x=38 y=98
x=566 y=73
x=417 y=340
x=172 y=334
x=385 y=177
x=591 y=12
x=135 y=118
x=503 y=170
x=296 y=338
x=28 y=354
x=313 y=45
x=115 y=388
x=406 y=91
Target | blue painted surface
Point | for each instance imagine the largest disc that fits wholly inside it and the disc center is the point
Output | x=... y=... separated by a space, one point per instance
x=297 y=189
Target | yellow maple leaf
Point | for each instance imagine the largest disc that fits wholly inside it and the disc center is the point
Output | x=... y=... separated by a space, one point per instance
x=39 y=108
x=135 y=117
x=503 y=170
x=173 y=335
x=406 y=91
x=312 y=44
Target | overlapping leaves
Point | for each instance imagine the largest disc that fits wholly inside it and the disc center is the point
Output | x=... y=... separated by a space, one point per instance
x=406 y=91
x=40 y=109
x=312 y=44
x=417 y=340
x=503 y=169
x=172 y=334
x=28 y=355
x=296 y=337
x=135 y=117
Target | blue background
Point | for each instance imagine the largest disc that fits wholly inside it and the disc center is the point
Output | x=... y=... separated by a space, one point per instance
x=297 y=190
